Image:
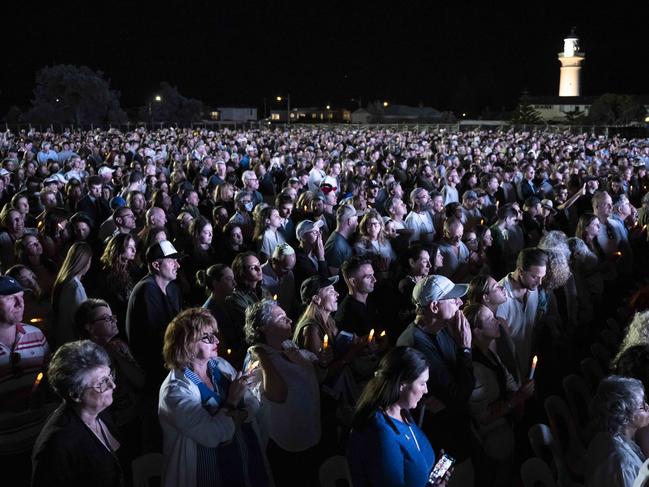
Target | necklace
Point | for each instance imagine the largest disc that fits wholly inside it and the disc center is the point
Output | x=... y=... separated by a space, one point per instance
x=98 y=431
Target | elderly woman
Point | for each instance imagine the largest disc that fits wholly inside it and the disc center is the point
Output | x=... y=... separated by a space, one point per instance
x=204 y=403
x=620 y=409
x=289 y=393
x=386 y=447
x=77 y=445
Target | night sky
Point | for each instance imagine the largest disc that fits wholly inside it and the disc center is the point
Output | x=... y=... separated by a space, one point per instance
x=460 y=57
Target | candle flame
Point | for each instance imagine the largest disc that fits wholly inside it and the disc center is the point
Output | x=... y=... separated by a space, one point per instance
x=482 y=221
x=229 y=351
x=370 y=337
x=382 y=334
x=325 y=343
x=618 y=253
x=36 y=320
x=274 y=297
x=534 y=360
x=39 y=378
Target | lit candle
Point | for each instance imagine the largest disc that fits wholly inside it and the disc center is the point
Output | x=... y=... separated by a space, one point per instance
x=325 y=343
x=229 y=351
x=382 y=335
x=36 y=320
x=370 y=337
x=533 y=369
x=482 y=221
x=497 y=204
x=38 y=380
x=274 y=297
x=618 y=253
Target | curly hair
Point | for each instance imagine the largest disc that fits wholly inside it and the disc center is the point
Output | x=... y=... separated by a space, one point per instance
x=615 y=403
x=634 y=362
x=636 y=334
x=258 y=315
x=555 y=245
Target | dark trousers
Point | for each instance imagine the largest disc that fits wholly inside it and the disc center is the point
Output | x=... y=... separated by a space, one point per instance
x=293 y=469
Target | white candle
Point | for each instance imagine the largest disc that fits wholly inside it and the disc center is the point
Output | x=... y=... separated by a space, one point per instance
x=533 y=369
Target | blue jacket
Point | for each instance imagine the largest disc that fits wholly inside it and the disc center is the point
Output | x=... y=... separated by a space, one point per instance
x=380 y=456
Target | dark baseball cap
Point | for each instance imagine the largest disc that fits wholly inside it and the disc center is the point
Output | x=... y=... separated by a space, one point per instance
x=313 y=284
x=9 y=286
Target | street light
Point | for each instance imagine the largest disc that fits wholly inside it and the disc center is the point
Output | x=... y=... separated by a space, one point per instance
x=288 y=106
x=157 y=99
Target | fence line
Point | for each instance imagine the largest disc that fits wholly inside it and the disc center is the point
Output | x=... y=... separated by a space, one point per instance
x=463 y=126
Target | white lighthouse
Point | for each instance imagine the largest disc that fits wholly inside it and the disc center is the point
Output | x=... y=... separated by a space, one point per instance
x=571 y=59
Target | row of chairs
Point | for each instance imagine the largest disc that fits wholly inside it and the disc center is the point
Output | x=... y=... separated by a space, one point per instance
x=560 y=446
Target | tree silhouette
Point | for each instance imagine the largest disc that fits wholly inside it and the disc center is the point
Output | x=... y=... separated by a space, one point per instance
x=525 y=113
x=576 y=117
x=74 y=94
x=613 y=109
x=172 y=107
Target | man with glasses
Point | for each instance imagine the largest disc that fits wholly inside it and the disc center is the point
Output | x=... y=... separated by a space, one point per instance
x=442 y=333
x=23 y=354
x=251 y=185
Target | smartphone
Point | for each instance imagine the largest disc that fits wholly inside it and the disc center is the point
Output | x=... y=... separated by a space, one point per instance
x=440 y=468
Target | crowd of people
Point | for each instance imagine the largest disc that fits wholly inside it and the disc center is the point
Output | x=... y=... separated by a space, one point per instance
x=251 y=303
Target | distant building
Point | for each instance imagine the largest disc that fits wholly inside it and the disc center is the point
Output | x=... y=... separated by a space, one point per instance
x=234 y=114
x=555 y=108
x=312 y=115
x=405 y=113
x=399 y=114
x=361 y=116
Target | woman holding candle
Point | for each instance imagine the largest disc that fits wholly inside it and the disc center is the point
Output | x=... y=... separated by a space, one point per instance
x=316 y=331
x=495 y=396
x=386 y=447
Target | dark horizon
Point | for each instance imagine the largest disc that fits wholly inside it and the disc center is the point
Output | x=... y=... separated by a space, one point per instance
x=451 y=57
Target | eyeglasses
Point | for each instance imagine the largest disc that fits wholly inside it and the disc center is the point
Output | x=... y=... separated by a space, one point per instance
x=210 y=338
x=106 y=383
x=112 y=318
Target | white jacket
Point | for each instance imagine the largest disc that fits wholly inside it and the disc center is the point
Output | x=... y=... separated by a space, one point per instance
x=185 y=423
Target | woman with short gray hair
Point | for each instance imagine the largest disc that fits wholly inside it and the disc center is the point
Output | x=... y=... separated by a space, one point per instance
x=289 y=392
x=76 y=446
x=620 y=409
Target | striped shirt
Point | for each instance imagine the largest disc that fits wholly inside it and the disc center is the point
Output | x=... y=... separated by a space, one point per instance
x=19 y=367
